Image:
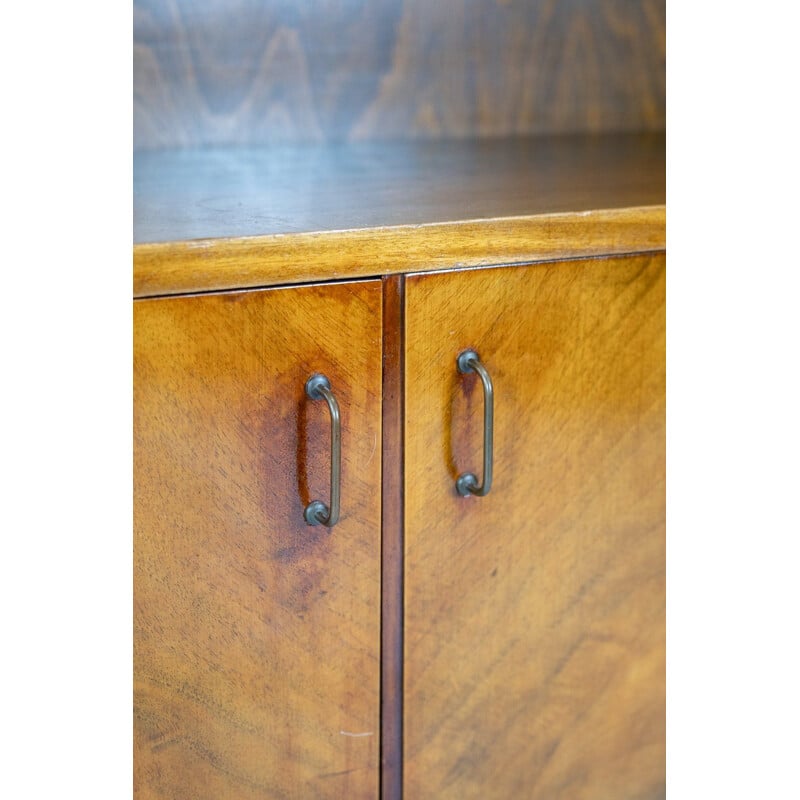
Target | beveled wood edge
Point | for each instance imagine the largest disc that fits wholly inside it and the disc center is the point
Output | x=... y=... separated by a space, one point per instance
x=172 y=268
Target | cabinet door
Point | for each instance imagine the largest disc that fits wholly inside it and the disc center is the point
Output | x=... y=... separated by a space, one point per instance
x=256 y=637
x=534 y=616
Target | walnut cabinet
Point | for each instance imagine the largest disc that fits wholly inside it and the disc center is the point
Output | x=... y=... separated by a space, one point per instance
x=428 y=644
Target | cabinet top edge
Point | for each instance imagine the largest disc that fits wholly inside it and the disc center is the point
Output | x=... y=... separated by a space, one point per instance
x=236 y=217
x=186 y=267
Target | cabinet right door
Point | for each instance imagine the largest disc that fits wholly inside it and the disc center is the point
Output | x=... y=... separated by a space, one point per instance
x=535 y=615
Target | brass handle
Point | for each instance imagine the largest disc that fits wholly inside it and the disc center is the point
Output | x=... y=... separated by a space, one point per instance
x=316 y=512
x=467 y=482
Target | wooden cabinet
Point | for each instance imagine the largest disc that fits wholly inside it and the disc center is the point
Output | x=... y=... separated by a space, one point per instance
x=534 y=616
x=531 y=627
x=256 y=636
x=366 y=190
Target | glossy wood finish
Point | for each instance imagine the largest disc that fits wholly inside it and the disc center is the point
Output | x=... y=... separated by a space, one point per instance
x=231 y=219
x=534 y=616
x=392 y=541
x=176 y=268
x=235 y=192
x=256 y=637
x=251 y=72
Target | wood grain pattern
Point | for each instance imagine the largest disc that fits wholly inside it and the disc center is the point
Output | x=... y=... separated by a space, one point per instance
x=217 y=220
x=208 y=72
x=228 y=193
x=256 y=637
x=392 y=542
x=534 y=616
x=183 y=267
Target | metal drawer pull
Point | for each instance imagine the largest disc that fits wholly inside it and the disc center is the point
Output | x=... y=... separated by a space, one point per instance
x=316 y=512
x=467 y=482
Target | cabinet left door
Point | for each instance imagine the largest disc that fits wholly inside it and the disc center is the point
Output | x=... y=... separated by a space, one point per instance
x=256 y=636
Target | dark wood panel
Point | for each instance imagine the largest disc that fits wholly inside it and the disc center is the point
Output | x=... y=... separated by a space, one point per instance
x=256 y=637
x=221 y=193
x=392 y=539
x=534 y=617
x=250 y=72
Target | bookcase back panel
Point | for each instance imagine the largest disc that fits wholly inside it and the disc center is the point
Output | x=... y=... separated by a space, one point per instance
x=209 y=72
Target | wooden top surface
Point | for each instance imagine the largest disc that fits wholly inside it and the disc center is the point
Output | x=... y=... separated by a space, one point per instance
x=233 y=192
x=225 y=218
